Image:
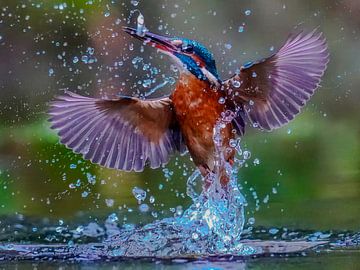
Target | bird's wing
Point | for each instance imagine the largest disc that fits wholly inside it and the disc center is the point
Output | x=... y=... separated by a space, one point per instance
x=272 y=91
x=125 y=133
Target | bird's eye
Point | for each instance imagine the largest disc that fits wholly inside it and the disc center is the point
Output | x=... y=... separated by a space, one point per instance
x=187 y=49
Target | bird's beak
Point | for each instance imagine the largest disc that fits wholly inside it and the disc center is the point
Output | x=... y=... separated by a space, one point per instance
x=157 y=41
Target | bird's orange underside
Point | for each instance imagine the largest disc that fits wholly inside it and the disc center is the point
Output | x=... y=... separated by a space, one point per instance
x=198 y=110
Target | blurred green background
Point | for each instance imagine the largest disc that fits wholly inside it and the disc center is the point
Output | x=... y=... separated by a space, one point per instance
x=308 y=174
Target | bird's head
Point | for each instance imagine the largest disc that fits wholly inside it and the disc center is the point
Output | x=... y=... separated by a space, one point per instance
x=189 y=55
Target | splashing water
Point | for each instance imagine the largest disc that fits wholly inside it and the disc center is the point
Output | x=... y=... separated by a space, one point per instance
x=141 y=28
x=211 y=226
x=140 y=22
x=218 y=212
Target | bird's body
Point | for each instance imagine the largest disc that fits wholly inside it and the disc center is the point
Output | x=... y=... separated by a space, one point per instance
x=197 y=107
x=129 y=133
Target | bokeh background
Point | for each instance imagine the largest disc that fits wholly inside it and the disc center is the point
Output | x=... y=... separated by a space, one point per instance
x=304 y=176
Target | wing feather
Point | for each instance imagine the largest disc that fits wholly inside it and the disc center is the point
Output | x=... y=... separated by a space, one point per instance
x=125 y=133
x=273 y=91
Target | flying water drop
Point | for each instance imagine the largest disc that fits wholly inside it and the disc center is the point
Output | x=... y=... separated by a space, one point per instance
x=236 y=83
x=141 y=28
x=247 y=12
x=139 y=194
x=135 y=3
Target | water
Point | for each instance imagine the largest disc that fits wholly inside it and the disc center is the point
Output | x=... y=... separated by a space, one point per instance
x=329 y=261
x=168 y=239
x=212 y=228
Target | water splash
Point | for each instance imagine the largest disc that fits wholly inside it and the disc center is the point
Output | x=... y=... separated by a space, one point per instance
x=141 y=29
x=212 y=226
x=217 y=212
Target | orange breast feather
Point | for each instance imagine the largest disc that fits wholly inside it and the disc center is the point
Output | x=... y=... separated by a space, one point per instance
x=198 y=110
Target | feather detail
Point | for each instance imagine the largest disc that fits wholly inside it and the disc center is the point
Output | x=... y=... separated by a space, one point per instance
x=272 y=92
x=125 y=133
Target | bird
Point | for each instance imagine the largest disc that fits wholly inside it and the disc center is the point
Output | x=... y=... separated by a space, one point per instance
x=129 y=133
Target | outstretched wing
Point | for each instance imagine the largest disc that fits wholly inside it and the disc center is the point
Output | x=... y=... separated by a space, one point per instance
x=272 y=91
x=125 y=133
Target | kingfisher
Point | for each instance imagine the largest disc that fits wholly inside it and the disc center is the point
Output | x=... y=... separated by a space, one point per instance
x=130 y=133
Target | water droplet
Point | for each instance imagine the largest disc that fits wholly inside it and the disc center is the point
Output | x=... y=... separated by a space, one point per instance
x=75 y=59
x=72 y=186
x=113 y=218
x=236 y=83
x=136 y=60
x=251 y=221
x=85 y=59
x=90 y=50
x=109 y=202
x=256 y=161
x=78 y=183
x=141 y=29
x=152 y=199
x=144 y=208
x=221 y=100
x=195 y=236
x=84 y=194
x=273 y=231
x=246 y=154
x=179 y=210
x=146 y=83
x=91 y=178
x=241 y=29
x=73 y=166
x=51 y=71
x=139 y=193
x=228 y=46
x=247 y=12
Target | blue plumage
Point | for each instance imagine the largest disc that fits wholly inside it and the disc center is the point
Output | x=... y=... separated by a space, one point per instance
x=203 y=53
